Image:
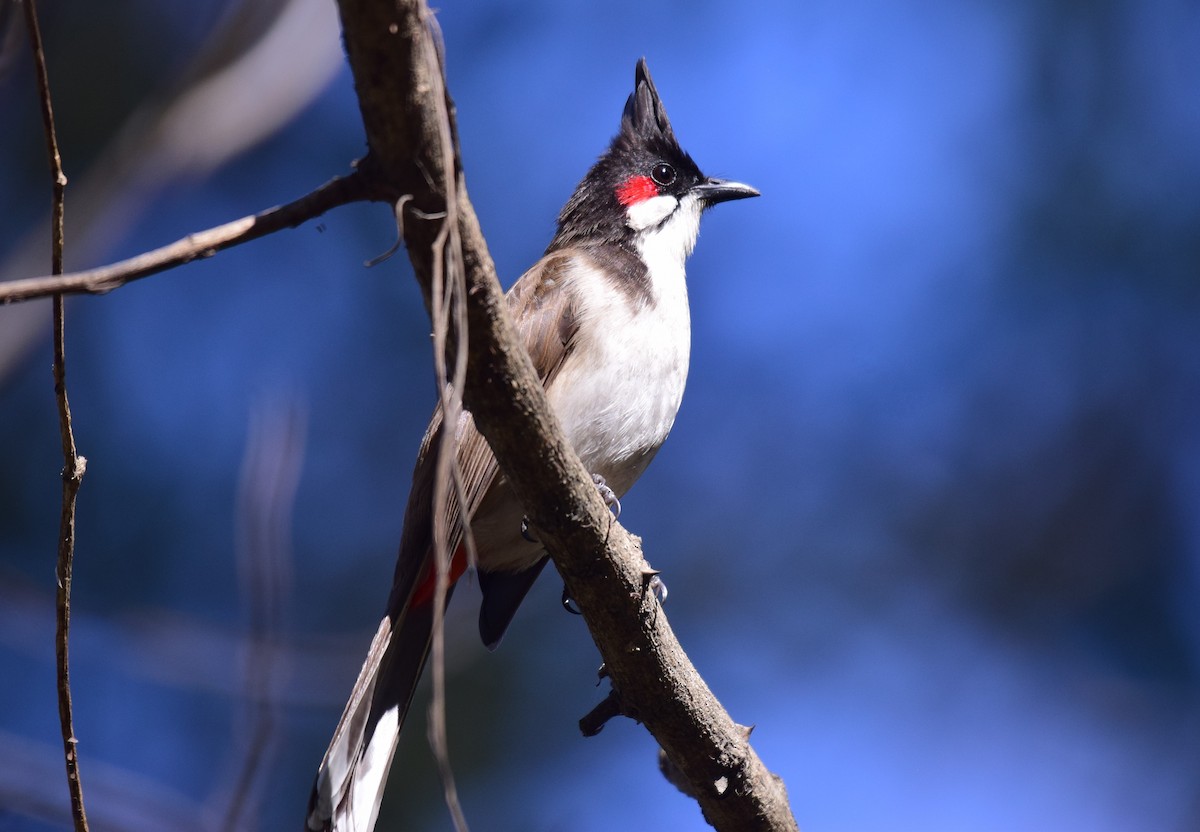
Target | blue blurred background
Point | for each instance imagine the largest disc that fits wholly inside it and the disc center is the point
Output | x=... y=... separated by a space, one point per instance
x=930 y=514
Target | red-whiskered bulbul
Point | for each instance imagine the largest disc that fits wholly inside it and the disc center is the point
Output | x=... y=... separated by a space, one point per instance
x=604 y=315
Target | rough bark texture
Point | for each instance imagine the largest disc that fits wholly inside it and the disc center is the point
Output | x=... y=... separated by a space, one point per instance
x=602 y=564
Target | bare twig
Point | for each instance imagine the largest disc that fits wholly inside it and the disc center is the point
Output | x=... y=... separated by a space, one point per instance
x=338 y=191
x=446 y=300
x=242 y=84
x=73 y=464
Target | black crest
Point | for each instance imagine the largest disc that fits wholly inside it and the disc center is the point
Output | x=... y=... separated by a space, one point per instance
x=645 y=116
x=593 y=214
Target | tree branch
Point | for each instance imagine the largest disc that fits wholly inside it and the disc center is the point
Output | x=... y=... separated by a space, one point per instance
x=388 y=46
x=395 y=58
x=341 y=190
x=73 y=464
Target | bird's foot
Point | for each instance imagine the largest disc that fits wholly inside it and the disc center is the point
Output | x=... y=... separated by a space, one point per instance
x=525 y=532
x=569 y=603
x=652 y=581
x=608 y=495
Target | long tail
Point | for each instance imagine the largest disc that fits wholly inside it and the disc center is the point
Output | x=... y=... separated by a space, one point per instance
x=352 y=776
x=350 y=782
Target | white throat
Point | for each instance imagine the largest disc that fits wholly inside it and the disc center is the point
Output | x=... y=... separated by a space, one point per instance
x=667 y=230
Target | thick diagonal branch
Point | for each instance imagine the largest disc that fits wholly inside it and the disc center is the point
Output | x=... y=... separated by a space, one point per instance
x=401 y=101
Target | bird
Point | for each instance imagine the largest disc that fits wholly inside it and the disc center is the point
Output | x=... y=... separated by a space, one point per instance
x=604 y=316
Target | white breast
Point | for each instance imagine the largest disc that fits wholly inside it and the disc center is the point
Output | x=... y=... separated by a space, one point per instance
x=618 y=394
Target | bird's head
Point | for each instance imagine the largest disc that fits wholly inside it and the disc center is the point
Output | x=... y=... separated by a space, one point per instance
x=645 y=184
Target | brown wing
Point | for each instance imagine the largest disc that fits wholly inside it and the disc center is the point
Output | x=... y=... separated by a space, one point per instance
x=543 y=309
x=542 y=306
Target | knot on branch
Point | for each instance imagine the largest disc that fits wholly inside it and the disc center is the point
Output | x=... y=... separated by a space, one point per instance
x=74 y=474
x=610 y=707
x=733 y=764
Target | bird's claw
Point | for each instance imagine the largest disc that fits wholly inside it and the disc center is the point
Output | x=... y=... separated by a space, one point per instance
x=569 y=603
x=608 y=495
x=525 y=533
x=614 y=504
x=654 y=583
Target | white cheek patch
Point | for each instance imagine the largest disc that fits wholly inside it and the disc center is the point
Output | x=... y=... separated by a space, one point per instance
x=668 y=245
x=650 y=212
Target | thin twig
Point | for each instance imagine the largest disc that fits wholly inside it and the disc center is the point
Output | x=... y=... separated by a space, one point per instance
x=447 y=298
x=339 y=191
x=73 y=464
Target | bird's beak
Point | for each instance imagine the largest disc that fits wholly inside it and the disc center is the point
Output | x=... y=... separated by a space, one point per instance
x=712 y=191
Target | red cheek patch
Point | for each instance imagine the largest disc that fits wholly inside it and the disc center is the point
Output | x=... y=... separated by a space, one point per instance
x=636 y=189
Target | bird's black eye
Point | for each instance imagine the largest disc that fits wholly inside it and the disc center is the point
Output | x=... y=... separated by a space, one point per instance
x=663 y=173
